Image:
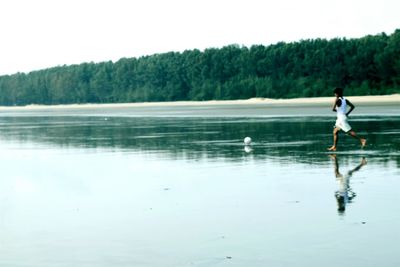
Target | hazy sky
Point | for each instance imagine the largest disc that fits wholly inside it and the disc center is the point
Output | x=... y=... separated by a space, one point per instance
x=37 y=34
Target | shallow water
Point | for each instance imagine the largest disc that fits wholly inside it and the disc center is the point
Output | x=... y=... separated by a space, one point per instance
x=120 y=190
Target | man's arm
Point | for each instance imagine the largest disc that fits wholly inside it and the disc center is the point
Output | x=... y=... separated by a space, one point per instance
x=334 y=105
x=351 y=107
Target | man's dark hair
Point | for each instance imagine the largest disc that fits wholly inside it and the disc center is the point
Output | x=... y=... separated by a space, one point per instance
x=339 y=91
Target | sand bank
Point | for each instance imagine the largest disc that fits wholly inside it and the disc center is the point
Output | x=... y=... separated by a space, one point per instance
x=380 y=100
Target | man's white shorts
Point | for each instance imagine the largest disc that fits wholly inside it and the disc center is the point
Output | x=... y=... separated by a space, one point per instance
x=343 y=124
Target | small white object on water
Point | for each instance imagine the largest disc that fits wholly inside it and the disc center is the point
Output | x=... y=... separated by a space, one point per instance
x=247 y=141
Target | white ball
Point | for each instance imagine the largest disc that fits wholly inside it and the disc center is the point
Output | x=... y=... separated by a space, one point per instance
x=247 y=141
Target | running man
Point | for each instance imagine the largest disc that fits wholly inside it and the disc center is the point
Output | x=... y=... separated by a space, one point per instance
x=340 y=107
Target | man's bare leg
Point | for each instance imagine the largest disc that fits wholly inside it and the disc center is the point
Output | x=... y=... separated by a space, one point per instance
x=335 y=139
x=363 y=141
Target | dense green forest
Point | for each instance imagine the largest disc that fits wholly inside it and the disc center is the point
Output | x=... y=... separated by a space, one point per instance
x=308 y=68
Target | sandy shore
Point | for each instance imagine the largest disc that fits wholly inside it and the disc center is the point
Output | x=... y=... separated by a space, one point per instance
x=386 y=99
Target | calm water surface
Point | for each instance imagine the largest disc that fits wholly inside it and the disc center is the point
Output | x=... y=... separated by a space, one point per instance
x=185 y=191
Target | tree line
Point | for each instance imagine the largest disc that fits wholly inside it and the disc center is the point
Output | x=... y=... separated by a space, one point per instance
x=309 y=68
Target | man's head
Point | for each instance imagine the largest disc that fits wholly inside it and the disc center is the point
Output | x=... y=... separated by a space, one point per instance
x=338 y=91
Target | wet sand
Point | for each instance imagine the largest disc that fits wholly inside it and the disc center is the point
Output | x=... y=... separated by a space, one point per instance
x=161 y=192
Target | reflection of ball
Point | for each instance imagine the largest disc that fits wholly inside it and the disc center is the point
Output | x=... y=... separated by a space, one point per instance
x=247 y=149
x=247 y=141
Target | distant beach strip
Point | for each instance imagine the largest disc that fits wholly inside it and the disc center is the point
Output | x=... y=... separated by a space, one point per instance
x=386 y=105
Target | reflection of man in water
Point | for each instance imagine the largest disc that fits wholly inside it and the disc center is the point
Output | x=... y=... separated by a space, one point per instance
x=344 y=195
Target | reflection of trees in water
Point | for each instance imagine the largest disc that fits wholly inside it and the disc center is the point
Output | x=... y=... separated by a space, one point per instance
x=300 y=139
